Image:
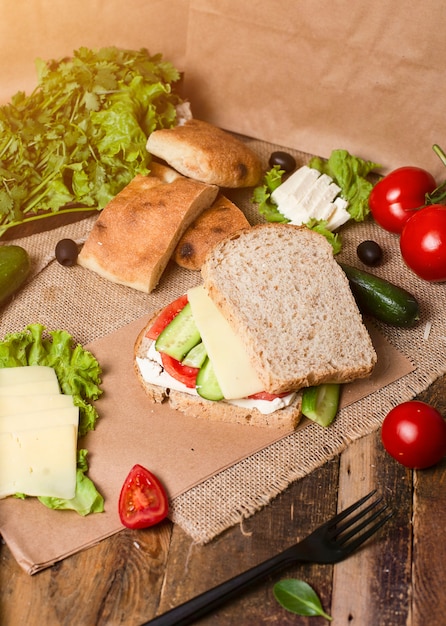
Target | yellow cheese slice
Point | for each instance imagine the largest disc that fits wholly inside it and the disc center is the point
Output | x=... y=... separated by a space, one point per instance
x=40 y=419
x=12 y=405
x=26 y=374
x=39 y=462
x=233 y=370
x=45 y=387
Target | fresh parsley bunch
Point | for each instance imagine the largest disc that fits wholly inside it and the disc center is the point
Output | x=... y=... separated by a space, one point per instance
x=80 y=136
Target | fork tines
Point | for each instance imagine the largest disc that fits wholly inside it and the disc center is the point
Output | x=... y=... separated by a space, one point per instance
x=361 y=521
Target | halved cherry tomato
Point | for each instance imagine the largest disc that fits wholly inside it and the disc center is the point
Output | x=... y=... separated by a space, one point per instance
x=143 y=500
x=264 y=395
x=414 y=434
x=423 y=243
x=183 y=373
x=395 y=197
x=166 y=316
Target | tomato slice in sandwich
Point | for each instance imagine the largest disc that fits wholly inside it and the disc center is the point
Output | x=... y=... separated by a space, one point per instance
x=264 y=395
x=166 y=316
x=143 y=500
x=183 y=373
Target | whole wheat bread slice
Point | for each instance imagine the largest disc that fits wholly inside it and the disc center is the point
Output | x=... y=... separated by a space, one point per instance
x=287 y=298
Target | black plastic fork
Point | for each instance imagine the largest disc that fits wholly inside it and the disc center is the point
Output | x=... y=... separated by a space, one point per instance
x=330 y=543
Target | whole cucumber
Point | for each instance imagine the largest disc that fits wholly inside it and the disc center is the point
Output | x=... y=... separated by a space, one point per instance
x=382 y=299
x=15 y=267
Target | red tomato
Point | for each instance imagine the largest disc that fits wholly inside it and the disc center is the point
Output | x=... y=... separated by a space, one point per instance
x=166 y=316
x=414 y=433
x=142 y=501
x=183 y=373
x=395 y=197
x=423 y=243
x=264 y=395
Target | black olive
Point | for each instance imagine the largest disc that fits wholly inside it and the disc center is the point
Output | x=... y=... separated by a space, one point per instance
x=284 y=160
x=67 y=252
x=369 y=252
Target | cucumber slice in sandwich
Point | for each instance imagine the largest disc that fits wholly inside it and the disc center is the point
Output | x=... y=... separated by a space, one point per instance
x=321 y=403
x=180 y=336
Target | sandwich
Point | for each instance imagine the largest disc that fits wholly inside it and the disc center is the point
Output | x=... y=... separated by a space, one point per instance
x=204 y=152
x=273 y=315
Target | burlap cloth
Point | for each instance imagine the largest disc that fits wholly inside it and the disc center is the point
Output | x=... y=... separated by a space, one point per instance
x=89 y=308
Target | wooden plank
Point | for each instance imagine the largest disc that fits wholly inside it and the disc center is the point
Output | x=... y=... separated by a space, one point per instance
x=116 y=582
x=296 y=512
x=373 y=585
x=429 y=546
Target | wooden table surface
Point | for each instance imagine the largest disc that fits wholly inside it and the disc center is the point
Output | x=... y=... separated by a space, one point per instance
x=396 y=579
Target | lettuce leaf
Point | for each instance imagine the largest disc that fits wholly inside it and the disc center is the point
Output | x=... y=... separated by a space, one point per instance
x=350 y=174
x=262 y=195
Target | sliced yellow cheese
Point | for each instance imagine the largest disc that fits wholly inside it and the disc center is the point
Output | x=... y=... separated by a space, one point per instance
x=45 y=387
x=234 y=372
x=39 y=462
x=40 y=419
x=12 y=405
x=26 y=374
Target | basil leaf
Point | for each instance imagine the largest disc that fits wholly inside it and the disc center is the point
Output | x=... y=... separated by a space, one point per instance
x=298 y=597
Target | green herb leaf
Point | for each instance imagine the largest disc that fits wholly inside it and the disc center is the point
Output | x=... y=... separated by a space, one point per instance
x=80 y=136
x=350 y=174
x=298 y=597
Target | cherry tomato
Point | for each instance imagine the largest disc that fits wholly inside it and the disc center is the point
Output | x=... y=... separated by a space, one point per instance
x=183 y=373
x=394 y=198
x=143 y=500
x=166 y=316
x=414 y=434
x=423 y=243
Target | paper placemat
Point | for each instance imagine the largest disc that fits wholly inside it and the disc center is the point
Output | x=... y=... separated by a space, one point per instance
x=217 y=487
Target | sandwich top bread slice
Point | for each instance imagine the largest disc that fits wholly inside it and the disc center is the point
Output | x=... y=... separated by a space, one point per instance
x=290 y=303
x=206 y=153
x=135 y=236
x=275 y=314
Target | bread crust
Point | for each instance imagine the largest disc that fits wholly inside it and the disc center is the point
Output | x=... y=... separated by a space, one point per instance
x=207 y=153
x=317 y=334
x=135 y=236
x=222 y=219
x=195 y=406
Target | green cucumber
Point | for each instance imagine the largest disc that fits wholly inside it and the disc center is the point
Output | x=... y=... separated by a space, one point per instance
x=382 y=299
x=321 y=403
x=180 y=336
x=207 y=384
x=195 y=357
x=15 y=267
